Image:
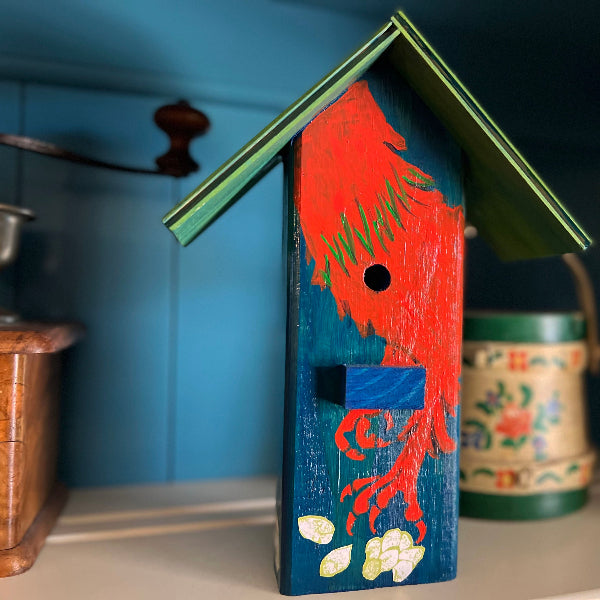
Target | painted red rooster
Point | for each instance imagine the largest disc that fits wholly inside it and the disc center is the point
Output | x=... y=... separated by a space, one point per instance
x=392 y=259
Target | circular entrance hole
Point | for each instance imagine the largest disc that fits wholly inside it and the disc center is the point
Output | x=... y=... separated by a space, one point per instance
x=377 y=278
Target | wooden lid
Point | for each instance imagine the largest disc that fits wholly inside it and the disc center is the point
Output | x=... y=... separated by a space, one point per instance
x=524 y=327
x=26 y=337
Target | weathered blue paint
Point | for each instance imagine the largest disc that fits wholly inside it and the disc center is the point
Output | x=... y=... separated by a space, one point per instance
x=314 y=475
x=357 y=386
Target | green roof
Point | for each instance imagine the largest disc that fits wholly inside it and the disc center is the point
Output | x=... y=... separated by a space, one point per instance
x=512 y=208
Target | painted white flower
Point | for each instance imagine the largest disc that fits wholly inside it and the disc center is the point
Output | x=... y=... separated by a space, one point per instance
x=393 y=552
x=336 y=561
x=316 y=529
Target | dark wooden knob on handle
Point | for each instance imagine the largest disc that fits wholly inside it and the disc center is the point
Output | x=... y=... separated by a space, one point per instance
x=181 y=123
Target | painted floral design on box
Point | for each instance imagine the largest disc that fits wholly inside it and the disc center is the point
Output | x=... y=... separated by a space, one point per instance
x=564 y=357
x=512 y=422
x=567 y=474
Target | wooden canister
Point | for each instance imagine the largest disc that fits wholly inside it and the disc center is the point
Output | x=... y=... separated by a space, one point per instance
x=525 y=450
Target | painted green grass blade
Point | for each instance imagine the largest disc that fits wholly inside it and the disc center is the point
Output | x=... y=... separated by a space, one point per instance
x=417 y=184
x=379 y=236
x=391 y=204
x=341 y=255
x=425 y=180
x=348 y=241
x=366 y=240
x=384 y=222
x=392 y=194
x=402 y=193
x=337 y=253
x=348 y=248
x=326 y=274
x=347 y=231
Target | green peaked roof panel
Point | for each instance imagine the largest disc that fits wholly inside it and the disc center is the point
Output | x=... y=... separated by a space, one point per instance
x=506 y=200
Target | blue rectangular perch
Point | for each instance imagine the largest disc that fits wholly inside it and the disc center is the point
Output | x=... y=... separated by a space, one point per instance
x=375 y=387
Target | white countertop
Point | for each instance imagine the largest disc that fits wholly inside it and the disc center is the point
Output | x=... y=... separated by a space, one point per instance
x=213 y=540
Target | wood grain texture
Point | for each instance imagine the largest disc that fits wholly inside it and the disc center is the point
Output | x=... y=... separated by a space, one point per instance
x=21 y=557
x=30 y=368
x=356 y=386
x=365 y=180
x=31 y=337
x=11 y=406
x=29 y=454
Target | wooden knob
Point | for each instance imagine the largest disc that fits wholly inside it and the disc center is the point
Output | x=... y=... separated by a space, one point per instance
x=181 y=123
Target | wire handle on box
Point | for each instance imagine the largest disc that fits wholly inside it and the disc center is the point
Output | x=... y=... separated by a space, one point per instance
x=585 y=295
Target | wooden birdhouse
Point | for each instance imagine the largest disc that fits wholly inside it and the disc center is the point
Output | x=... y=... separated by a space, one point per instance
x=383 y=158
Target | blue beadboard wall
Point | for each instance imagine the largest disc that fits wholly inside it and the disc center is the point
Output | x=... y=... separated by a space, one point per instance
x=97 y=253
x=181 y=373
